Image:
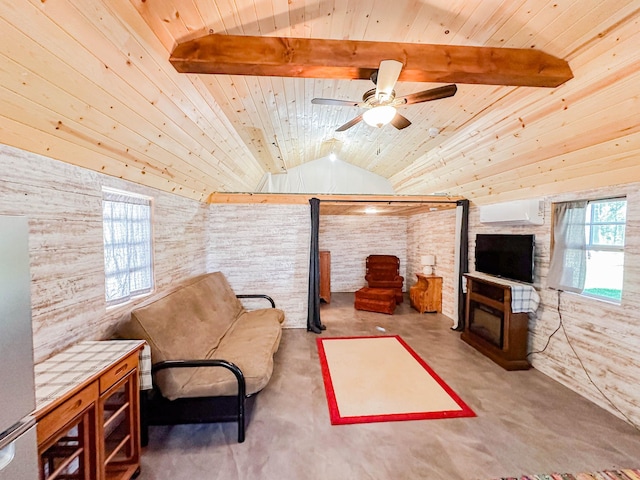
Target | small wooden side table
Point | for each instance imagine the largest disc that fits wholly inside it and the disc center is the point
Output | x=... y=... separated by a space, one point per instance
x=426 y=295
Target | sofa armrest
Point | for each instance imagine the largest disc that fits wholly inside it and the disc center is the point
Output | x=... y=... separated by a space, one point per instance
x=205 y=363
x=240 y=398
x=258 y=295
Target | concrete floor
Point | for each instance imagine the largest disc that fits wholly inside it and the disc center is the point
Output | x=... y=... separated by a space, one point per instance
x=526 y=423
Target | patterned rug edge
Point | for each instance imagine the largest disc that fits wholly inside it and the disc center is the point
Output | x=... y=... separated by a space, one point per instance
x=625 y=474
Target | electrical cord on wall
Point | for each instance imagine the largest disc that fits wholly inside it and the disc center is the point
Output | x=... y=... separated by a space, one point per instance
x=561 y=326
x=554 y=332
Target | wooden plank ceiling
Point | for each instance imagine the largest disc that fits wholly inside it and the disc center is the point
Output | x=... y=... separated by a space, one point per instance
x=90 y=83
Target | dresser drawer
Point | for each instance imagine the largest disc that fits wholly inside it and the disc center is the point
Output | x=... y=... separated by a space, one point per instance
x=55 y=420
x=118 y=372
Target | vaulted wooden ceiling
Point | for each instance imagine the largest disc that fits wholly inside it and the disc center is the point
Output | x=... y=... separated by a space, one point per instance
x=90 y=83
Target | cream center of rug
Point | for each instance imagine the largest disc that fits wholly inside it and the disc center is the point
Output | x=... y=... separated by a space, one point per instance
x=379 y=376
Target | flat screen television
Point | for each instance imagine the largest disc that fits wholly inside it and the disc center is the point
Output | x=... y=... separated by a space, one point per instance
x=506 y=255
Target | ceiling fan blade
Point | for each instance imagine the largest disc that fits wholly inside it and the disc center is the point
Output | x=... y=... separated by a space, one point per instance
x=433 y=94
x=334 y=102
x=349 y=124
x=400 y=122
x=388 y=74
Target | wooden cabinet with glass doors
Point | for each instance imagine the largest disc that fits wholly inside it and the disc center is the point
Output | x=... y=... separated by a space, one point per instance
x=90 y=429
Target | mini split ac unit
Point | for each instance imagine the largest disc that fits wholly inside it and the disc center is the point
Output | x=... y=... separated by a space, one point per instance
x=519 y=212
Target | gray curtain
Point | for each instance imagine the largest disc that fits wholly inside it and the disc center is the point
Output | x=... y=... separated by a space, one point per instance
x=462 y=262
x=568 y=267
x=313 y=314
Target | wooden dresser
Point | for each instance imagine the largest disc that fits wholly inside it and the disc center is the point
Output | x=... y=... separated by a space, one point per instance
x=426 y=295
x=87 y=412
x=325 y=276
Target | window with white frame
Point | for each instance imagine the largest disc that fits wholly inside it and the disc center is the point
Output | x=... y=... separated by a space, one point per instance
x=588 y=247
x=128 y=260
x=604 y=236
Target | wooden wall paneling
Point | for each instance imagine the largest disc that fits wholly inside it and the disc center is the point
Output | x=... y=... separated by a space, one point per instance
x=433 y=233
x=604 y=334
x=263 y=249
x=63 y=205
x=351 y=239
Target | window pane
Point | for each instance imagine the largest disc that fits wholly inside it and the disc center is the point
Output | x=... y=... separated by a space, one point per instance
x=607 y=235
x=604 y=274
x=609 y=211
x=127 y=247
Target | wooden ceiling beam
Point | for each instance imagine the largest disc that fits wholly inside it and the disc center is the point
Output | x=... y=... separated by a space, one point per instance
x=351 y=60
x=347 y=199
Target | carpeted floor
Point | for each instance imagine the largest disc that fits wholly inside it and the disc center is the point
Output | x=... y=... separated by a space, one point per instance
x=604 y=475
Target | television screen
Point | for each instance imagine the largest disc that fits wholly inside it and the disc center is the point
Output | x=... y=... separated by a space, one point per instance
x=504 y=255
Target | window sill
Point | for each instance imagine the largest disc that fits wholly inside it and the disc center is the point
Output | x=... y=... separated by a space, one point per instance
x=606 y=300
x=132 y=301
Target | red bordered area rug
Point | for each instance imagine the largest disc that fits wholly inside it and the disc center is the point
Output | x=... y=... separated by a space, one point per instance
x=381 y=379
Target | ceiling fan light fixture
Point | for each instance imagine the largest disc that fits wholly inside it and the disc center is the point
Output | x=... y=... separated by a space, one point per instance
x=379 y=116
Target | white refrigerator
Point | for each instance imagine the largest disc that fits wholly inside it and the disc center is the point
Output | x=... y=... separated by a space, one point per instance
x=18 y=450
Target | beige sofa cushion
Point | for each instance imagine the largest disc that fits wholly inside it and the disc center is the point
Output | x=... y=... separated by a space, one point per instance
x=203 y=319
x=250 y=344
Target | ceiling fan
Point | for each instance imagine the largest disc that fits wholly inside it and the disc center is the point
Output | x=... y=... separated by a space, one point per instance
x=381 y=102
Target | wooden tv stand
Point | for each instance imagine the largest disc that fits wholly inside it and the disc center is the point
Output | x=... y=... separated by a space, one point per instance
x=490 y=325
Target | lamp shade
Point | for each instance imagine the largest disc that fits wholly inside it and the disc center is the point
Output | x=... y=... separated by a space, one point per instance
x=428 y=260
x=379 y=116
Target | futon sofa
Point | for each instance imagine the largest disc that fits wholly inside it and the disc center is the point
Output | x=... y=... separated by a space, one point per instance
x=209 y=354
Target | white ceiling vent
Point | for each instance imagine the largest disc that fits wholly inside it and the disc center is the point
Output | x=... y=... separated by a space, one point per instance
x=519 y=212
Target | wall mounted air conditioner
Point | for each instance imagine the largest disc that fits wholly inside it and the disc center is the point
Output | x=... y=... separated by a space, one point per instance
x=519 y=212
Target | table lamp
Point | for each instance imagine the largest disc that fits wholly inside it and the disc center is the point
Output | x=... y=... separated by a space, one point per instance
x=428 y=261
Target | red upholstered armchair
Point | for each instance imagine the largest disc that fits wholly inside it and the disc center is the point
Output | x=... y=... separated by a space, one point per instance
x=383 y=271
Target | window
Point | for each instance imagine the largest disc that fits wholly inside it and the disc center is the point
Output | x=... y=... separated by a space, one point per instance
x=604 y=236
x=126 y=220
x=588 y=247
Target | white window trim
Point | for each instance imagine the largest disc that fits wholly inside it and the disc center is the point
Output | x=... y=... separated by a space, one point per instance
x=597 y=248
x=113 y=304
x=605 y=248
